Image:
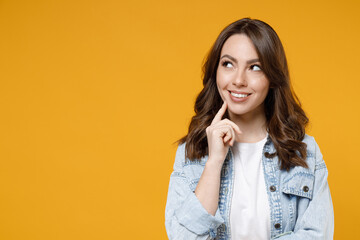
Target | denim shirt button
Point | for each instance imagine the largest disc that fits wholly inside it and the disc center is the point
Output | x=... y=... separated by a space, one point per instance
x=305 y=188
x=277 y=225
x=272 y=188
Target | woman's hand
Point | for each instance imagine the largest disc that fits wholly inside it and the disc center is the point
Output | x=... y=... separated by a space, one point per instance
x=221 y=134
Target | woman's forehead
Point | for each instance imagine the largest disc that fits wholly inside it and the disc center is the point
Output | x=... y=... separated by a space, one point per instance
x=239 y=46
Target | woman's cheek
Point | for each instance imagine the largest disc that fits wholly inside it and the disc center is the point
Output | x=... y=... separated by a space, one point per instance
x=220 y=92
x=220 y=83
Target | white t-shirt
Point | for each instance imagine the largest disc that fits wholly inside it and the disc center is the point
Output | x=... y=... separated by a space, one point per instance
x=250 y=211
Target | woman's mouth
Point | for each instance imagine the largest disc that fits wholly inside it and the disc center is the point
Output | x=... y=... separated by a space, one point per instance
x=239 y=96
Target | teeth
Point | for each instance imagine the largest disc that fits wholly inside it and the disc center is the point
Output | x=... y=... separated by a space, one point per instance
x=239 y=95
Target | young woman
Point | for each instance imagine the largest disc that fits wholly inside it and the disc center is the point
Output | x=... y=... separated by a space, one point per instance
x=246 y=169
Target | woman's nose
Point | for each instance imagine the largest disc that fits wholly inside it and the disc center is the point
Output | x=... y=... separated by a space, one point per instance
x=240 y=78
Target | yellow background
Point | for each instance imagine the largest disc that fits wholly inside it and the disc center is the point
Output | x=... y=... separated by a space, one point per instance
x=94 y=93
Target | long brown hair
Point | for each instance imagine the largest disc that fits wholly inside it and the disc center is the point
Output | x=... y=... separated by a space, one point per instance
x=285 y=119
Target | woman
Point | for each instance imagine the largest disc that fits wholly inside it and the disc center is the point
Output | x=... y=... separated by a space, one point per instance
x=246 y=169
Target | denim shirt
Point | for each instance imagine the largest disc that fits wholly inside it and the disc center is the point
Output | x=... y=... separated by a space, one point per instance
x=299 y=199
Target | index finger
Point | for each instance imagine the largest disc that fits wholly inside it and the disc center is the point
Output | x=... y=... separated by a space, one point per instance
x=220 y=113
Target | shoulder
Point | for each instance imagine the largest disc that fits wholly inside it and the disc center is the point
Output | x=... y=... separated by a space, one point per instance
x=297 y=176
x=310 y=145
x=313 y=151
x=181 y=149
x=179 y=157
x=181 y=161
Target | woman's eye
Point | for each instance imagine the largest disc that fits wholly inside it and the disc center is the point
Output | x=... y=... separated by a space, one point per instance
x=255 y=68
x=227 y=64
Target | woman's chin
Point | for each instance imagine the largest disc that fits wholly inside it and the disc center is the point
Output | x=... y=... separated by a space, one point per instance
x=236 y=112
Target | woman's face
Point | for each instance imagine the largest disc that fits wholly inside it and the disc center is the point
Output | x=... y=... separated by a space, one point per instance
x=240 y=79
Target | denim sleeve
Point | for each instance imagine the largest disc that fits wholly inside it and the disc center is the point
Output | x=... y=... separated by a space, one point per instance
x=317 y=222
x=185 y=217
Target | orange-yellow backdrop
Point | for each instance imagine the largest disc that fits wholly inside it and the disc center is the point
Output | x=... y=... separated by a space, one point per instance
x=94 y=93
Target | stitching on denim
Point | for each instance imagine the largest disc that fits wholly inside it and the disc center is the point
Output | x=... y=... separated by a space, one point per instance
x=310 y=154
x=225 y=182
x=282 y=234
x=177 y=174
x=194 y=162
x=193 y=184
x=300 y=193
x=271 y=167
x=302 y=174
x=320 y=166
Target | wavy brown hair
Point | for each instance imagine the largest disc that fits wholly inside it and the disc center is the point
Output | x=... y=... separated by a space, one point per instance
x=285 y=119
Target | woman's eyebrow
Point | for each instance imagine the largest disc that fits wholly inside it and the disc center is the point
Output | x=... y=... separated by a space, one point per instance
x=234 y=59
x=252 y=61
x=230 y=57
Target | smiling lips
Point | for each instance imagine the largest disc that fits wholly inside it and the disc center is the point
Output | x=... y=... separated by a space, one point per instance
x=239 y=96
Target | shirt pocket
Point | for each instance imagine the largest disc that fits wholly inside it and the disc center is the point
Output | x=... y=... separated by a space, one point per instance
x=298 y=188
x=193 y=173
x=299 y=183
x=193 y=183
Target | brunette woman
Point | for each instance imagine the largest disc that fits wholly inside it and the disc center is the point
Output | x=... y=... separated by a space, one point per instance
x=246 y=169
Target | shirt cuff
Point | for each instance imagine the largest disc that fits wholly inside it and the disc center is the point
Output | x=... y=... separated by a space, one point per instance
x=194 y=217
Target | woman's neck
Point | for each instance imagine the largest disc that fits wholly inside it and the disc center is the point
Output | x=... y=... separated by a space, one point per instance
x=252 y=126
